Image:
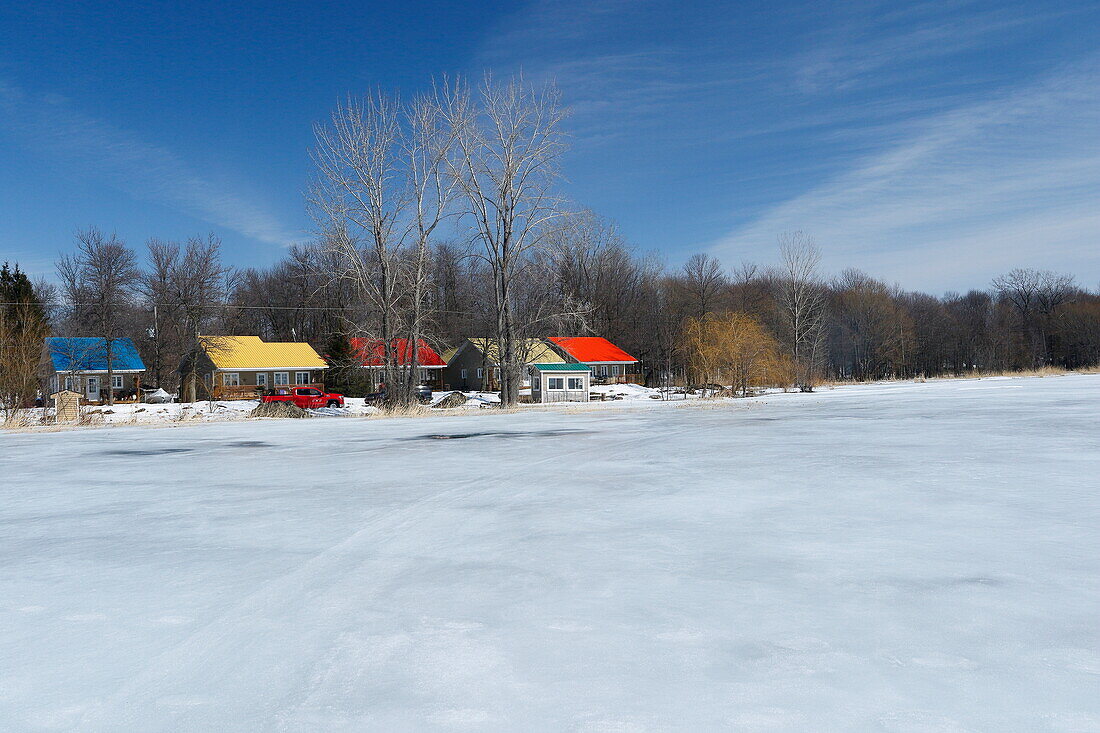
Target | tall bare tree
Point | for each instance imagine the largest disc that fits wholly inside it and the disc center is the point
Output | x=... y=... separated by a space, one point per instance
x=508 y=142
x=99 y=281
x=189 y=288
x=384 y=186
x=360 y=203
x=802 y=304
x=427 y=143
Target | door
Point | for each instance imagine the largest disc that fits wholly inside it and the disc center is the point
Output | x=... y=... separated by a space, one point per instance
x=309 y=398
x=93 y=389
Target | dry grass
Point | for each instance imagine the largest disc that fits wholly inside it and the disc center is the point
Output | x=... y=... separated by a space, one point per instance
x=17 y=420
x=415 y=410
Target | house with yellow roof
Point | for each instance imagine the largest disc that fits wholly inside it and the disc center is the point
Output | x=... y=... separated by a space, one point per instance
x=242 y=367
x=473 y=364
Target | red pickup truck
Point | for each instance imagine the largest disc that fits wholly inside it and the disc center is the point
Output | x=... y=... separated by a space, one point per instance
x=305 y=397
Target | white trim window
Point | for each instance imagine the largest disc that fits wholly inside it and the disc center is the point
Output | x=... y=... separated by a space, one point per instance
x=576 y=384
x=69 y=382
x=463 y=373
x=282 y=379
x=301 y=377
x=231 y=379
x=480 y=373
x=117 y=381
x=261 y=379
x=555 y=383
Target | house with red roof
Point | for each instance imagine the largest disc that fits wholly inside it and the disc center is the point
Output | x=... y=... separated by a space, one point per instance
x=371 y=355
x=609 y=363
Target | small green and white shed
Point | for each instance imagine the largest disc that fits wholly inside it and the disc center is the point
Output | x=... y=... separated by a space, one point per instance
x=560 y=382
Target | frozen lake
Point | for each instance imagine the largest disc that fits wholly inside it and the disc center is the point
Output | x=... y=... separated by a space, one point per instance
x=887 y=557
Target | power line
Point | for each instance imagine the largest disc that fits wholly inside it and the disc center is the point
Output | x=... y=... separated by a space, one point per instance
x=228 y=305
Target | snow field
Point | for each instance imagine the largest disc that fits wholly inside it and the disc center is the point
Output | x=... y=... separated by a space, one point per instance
x=890 y=557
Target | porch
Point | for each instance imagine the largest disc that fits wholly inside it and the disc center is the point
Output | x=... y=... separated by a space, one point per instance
x=618 y=379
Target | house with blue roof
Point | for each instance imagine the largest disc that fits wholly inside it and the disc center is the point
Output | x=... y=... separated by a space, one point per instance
x=84 y=364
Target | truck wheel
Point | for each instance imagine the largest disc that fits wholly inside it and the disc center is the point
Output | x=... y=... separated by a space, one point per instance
x=333 y=403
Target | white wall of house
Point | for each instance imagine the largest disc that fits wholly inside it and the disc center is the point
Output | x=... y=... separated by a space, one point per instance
x=565 y=386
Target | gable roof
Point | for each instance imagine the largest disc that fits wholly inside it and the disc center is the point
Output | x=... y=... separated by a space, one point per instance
x=252 y=352
x=591 y=349
x=371 y=352
x=562 y=367
x=534 y=351
x=89 y=354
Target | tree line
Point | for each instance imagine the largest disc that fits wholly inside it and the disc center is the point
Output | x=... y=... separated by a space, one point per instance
x=440 y=217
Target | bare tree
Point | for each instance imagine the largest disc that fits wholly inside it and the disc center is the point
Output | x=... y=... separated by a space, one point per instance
x=360 y=204
x=189 y=289
x=704 y=282
x=801 y=297
x=427 y=144
x=384 y=187
x=1034 y=295
x=610 y=288
x=508 y=144
x=99 y=281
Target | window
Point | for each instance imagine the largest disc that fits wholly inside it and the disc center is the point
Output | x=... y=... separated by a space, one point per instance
x=463 y=373
x=480 y=372
x=555 y=383
x=309 y=392
x=231 y=379
x=69 y=384
x=116 y=381
x=301 y=378
x=576 y=384
x=424 y=376
x=603 y=370
x=282 y=378
x=261 y=379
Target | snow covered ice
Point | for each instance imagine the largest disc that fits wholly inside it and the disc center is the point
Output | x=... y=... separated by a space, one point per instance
x=892 y=557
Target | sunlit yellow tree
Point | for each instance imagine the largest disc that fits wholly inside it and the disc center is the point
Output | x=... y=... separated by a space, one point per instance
x=734 y=349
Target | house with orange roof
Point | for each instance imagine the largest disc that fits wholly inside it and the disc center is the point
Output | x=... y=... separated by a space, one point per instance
x=370 y=353
x=609 y=363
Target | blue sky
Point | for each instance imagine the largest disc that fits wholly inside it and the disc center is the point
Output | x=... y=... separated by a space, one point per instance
x=932 y=144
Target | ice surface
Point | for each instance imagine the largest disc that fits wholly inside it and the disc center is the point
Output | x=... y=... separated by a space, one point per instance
x=888 y=557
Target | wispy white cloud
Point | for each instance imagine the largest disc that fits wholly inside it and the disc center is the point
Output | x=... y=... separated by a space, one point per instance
x=1008 y=181
x=80 y=145
x=878 y=44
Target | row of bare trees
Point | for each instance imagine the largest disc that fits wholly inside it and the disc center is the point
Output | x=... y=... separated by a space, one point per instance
x=439 y=218
x=810 y=327
x=854 y=326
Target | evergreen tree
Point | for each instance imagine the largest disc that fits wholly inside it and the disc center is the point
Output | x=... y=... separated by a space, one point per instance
x=23 y=327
